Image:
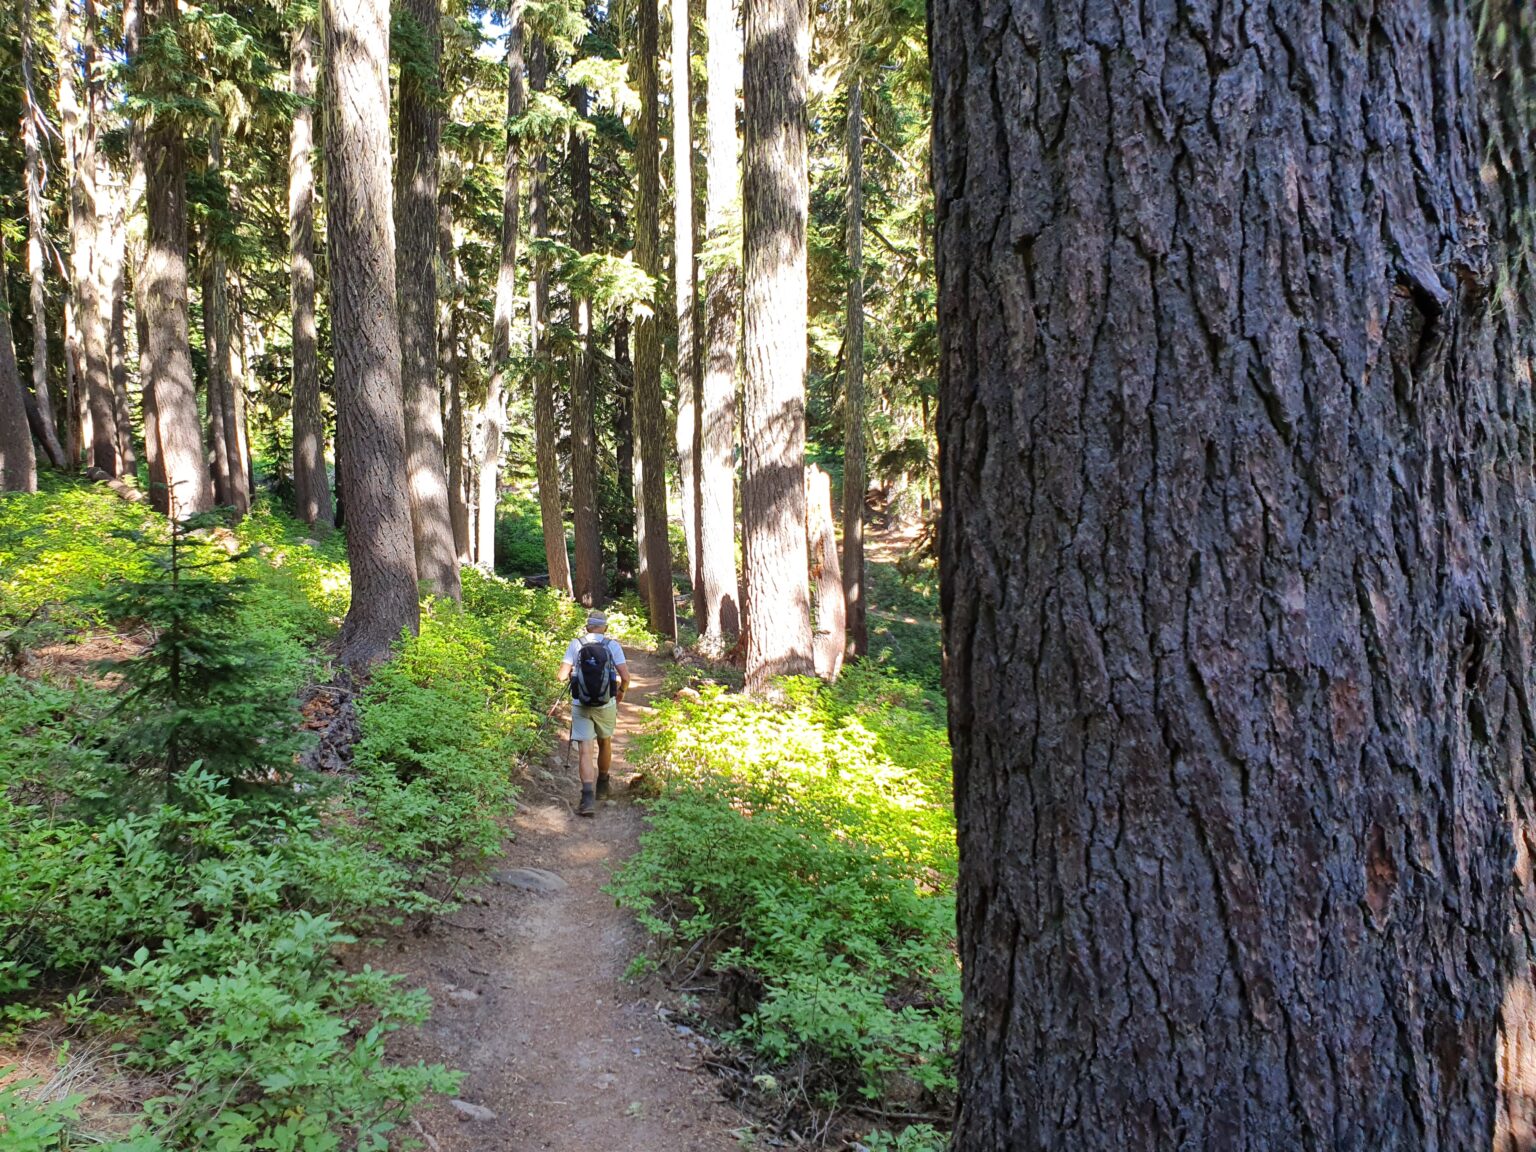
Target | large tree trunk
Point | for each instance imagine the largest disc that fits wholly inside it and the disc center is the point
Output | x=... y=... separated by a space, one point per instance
x=686 y=288
x=649 y=411
x=370 y=416
x=416 y=179
x=1234 y=311
x=40 y=411
x=18 y=463
x=546 y=432
x=449 y=368
x=775 y=196
x=170 y=390
x=855 y=472
x=493 y=415
x=311 y=486
x=587 y=579
x=715 y=437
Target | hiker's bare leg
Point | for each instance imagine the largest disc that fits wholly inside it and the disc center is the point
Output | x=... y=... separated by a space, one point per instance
x=588 y=762
x=604 y=756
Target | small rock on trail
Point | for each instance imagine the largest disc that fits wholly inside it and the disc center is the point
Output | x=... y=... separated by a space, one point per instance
x=530 y=879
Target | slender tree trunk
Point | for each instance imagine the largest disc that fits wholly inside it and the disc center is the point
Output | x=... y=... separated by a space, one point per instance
x=448 y=367
x=18 y=463
x=311 y=486
x=215 y=339
x=117 y=328
x=775 y=196
x=493 y=415
x=170 y=390
x=238 y=359
x=546 y=433
x=830 y=638
x=44 y=422
x=416 y=181
x=370 y=416
x=93 y=369
x=588 y=577
x=133 y=16
x=650 y=411
x=855 y=472
x=1234 y=552
x=720 y=617
x=219 y=336
x=624 y=431
x=686 y=285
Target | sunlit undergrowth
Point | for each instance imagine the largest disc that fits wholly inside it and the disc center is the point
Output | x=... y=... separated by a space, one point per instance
x=804 y=852
x=189 y=922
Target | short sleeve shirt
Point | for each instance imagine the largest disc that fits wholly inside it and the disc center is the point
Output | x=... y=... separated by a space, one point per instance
x=573 y=649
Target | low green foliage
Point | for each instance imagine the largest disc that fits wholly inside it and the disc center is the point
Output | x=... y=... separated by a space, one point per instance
x=201 y=927
x=807 y=848
x=58 y=551
x=204 y=689
x=904 y=630
x=442 y=724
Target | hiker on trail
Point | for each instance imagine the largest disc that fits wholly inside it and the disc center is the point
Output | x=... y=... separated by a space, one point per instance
x=596 y=667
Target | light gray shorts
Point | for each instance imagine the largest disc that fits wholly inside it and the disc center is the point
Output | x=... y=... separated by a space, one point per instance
x=589 y=722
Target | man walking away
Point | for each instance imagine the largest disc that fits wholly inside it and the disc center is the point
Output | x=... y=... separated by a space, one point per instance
x=596 y=667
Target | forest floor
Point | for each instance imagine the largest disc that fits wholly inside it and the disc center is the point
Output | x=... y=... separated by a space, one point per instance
x=559 y=1051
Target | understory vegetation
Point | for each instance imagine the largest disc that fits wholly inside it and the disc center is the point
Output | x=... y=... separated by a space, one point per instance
x=801 y=852
x=179 y=895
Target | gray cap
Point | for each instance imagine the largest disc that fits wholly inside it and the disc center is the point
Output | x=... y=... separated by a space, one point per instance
x=596 y=620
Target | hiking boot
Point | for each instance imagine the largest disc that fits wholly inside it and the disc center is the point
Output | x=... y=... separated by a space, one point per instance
x=602 y=787
x=588 y=805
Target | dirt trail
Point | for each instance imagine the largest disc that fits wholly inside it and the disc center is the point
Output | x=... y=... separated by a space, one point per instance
x=559 y=1053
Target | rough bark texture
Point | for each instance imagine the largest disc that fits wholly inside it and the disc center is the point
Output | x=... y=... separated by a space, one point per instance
x=133 y=17
x=720 y=612
x=231 y=478
x=370 y=417
x=311 y=486
x=685 y=285
x=1235 y=307
x=215 y=343
x=170 y=390
x=18 y=463
x=624 y=426
x=117 y=328
x=78 y=109
x=493 y=416
x=855 y=472
x=650 y=411
x=775 y=197
x=416 y=180
x=45 y=424
x=448 y=368
x=830 y=638
x=546 y=430
x=587 y=579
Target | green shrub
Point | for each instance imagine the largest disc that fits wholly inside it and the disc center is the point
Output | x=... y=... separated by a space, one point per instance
x=58 y=551
x=206 y=689
x=808 y=847
x=443 y=723
x=520 y=537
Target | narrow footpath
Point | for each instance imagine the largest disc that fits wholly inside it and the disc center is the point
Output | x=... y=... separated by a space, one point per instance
x=529 y=1001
